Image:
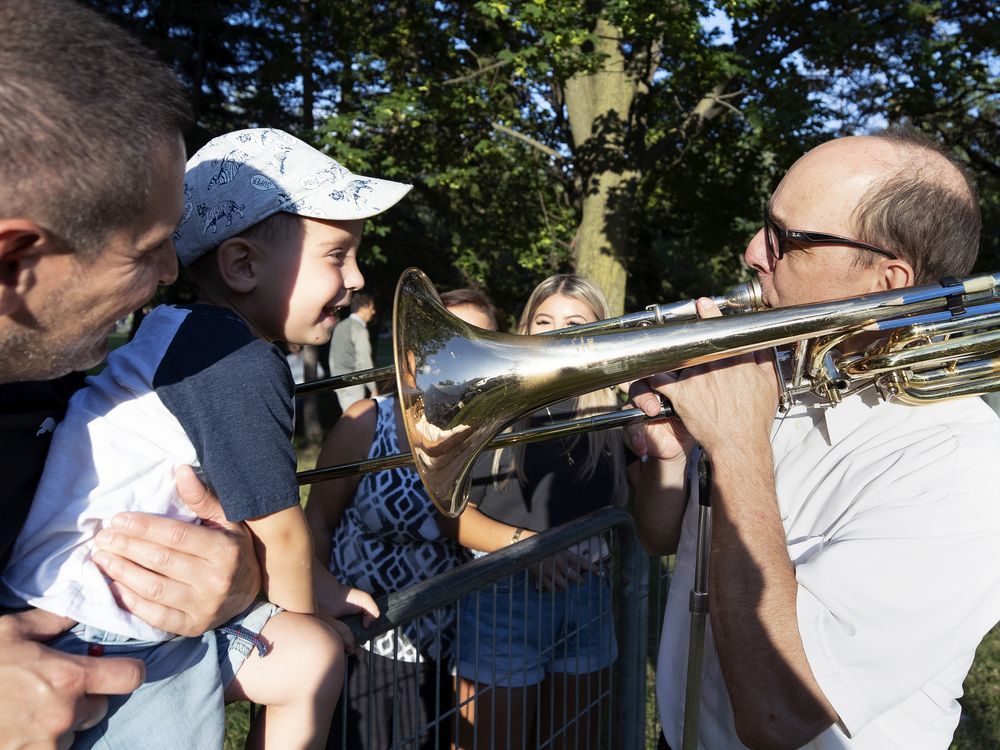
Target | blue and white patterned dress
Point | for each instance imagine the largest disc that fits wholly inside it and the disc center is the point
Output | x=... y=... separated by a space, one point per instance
x=388 y=538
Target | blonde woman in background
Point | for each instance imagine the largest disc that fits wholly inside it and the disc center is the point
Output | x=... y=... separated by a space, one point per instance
x=536 y=650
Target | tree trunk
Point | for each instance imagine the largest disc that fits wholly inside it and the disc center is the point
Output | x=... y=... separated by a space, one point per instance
x=598 y=108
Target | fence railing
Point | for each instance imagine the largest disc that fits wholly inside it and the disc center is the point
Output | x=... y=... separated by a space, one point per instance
x=415 y=623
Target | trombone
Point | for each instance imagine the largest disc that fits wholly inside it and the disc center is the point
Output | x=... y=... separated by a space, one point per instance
x=741 y=298
x=460 y=386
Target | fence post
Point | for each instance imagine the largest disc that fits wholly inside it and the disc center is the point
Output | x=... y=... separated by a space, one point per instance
x=631 y=668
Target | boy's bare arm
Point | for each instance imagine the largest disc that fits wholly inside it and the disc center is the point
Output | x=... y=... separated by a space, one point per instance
x=284 y=549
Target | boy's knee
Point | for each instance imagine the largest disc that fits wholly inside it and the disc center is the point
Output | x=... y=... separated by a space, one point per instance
x=327 y=676
x=320 y=649
x=329 y=642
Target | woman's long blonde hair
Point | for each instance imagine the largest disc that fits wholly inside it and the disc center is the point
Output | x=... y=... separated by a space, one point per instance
x=601 y=442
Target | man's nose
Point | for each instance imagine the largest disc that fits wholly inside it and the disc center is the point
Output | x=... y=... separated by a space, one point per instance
x=756 y=255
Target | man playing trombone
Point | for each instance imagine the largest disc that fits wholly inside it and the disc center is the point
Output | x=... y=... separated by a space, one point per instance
x=853 y=555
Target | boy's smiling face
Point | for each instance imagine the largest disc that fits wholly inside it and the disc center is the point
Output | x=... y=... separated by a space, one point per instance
x=303 y=279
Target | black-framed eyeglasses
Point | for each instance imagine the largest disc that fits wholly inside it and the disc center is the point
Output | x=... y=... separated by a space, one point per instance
x=775 y=237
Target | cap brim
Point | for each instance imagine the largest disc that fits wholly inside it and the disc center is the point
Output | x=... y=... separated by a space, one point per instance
x=355 y=198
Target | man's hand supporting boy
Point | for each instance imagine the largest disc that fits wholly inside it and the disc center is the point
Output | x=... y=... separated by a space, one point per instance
x=181 y=577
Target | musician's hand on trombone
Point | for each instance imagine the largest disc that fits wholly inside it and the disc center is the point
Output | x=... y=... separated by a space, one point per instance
x=667 y=440
x=718 y=400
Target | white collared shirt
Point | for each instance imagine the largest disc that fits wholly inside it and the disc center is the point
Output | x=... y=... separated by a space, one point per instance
x=892 y=520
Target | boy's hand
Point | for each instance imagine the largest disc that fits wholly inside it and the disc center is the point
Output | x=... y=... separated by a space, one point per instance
x=360 y=602
x=48 y=695
x=335 y=600
x=177 y=576
x=338 y=600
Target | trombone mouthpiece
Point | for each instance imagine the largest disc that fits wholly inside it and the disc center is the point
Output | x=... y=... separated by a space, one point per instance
x=740 y=299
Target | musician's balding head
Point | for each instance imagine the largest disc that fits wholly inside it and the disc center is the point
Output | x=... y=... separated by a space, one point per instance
x=864 y=214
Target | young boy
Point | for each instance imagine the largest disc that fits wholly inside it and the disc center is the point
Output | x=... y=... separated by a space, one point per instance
x=270 y=234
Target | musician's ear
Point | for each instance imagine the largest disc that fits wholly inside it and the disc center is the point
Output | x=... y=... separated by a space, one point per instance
x=237 y=262
x=896 y=273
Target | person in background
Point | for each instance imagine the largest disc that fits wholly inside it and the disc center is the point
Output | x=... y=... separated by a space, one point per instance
x=550 y=644
x=854 y=566
x=295 y=356
x=91 y=173
x=296 y=362
x=351 y=348
x=204 y=384
x=380 y=533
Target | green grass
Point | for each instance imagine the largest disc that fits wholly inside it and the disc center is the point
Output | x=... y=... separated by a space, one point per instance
x=979 y=728
x=237 y=725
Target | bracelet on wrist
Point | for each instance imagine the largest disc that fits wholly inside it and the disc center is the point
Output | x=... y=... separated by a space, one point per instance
x=516 y=536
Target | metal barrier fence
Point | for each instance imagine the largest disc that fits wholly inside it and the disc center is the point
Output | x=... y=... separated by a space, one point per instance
x=404 y=701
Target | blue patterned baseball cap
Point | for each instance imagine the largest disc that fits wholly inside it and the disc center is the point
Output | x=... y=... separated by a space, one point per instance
x=241 y=178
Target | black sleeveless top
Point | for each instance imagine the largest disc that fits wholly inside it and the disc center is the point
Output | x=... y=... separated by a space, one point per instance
x=552 y=492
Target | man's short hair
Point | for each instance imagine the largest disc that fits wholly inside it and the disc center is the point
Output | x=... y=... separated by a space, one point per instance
x=359 y=300
x=83 y=108
x=919 y=215
x=473 y=298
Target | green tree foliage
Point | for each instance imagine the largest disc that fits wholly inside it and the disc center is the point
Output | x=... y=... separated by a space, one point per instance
x=541 y=135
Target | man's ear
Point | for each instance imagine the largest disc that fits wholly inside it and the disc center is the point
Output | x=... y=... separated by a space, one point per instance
x=896 y=274
x=22 y=244
x=237 y=261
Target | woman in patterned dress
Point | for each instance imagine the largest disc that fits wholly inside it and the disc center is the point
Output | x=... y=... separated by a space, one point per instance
x=380 y=533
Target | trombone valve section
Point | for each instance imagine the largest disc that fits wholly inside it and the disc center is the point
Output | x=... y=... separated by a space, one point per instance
x=915 y=358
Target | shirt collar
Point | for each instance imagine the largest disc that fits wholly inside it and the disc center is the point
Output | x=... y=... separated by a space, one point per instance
x=842 y=419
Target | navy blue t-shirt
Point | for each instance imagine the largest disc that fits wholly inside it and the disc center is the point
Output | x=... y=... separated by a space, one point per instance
x=233 y=395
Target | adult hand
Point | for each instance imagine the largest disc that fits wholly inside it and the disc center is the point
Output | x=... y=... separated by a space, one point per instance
x=48 y=695
x=668 y=439
x=727 y=400
x=177 y=576
x=715 y=402
x=563 y=569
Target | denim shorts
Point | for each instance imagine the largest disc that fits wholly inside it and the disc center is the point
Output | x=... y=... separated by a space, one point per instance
x=511 y=634
x=181 y=702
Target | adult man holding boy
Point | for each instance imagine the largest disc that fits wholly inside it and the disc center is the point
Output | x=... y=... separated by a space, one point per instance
x=853 y=553
x=91 y=169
